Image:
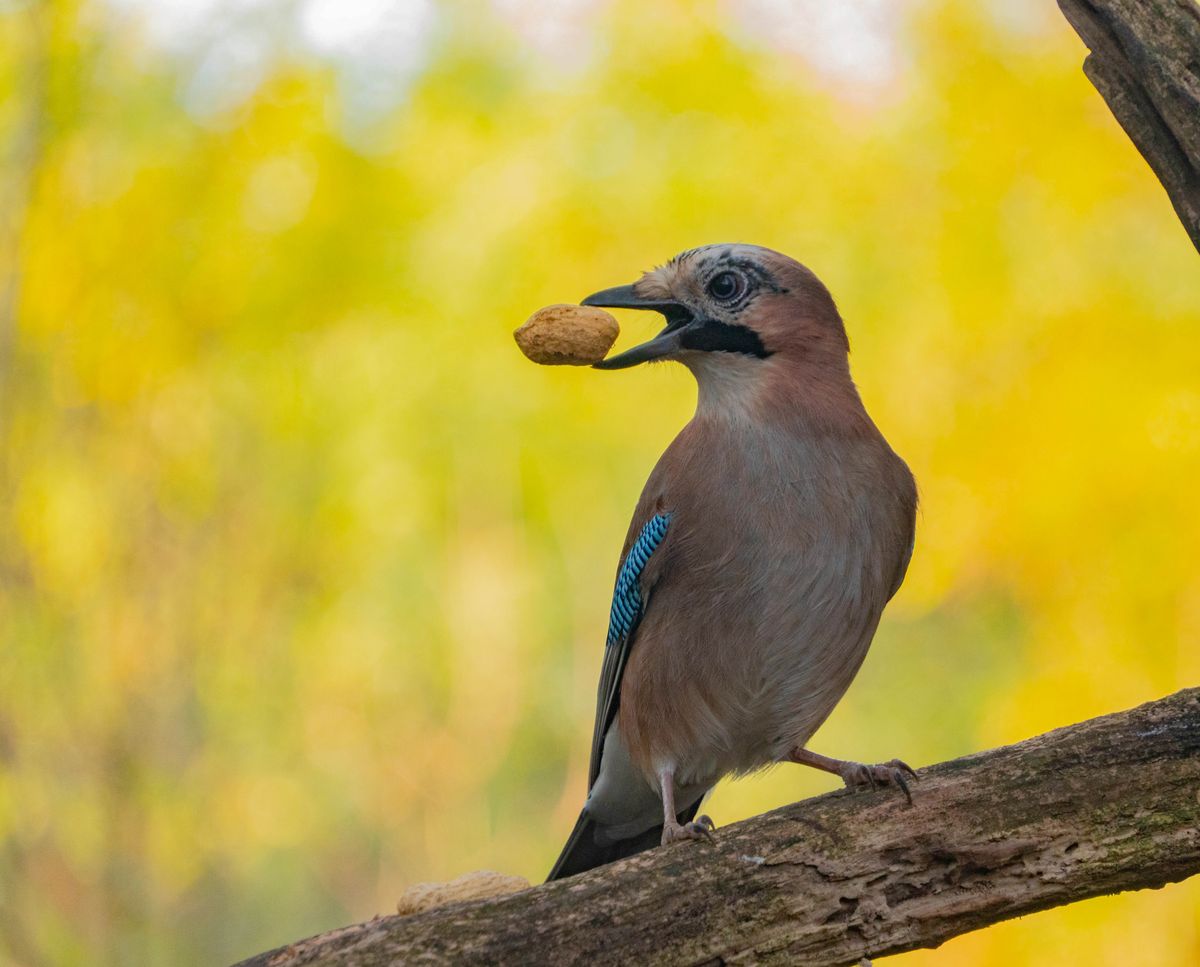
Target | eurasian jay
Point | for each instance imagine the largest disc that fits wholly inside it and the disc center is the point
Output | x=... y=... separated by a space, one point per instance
x=765 y=545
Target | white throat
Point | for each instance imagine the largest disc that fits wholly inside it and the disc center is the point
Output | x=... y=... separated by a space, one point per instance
x=729 y=383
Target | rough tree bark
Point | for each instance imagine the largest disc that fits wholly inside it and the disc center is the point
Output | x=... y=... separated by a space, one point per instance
x=1108 y=805
x=1145 y=62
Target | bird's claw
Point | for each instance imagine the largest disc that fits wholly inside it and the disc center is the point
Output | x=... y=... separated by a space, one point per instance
x=700 y=828
x=856 y=775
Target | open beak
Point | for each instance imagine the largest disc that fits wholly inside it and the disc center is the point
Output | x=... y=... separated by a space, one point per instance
x=664 y=344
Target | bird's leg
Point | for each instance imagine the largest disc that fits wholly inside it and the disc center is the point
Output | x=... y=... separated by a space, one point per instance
x=855 y=774
x=673 y=831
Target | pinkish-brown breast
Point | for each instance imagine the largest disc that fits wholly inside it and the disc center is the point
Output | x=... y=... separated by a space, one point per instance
x=790 y=531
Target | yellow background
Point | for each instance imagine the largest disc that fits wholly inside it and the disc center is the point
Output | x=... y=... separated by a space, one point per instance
x=304 y=571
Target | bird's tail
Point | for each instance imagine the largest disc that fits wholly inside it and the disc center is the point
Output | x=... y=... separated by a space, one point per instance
x=582 y=852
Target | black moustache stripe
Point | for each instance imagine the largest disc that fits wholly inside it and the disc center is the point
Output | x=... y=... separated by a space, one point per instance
x=713 y=336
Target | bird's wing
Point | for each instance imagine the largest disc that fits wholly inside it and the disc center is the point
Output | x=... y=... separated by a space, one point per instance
x=631 y=596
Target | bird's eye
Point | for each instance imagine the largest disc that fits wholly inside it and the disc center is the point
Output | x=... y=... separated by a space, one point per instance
x=725 y=286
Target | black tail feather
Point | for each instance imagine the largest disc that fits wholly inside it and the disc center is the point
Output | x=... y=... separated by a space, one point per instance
x=583 y=853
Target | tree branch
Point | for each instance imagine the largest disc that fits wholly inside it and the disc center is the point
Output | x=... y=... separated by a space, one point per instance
x=1145 y=62
x=1108 y=805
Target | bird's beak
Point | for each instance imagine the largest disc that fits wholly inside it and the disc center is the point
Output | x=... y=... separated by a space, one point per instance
x=664 y=344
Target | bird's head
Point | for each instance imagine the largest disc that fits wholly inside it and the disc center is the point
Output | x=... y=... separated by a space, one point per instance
x=734 y=312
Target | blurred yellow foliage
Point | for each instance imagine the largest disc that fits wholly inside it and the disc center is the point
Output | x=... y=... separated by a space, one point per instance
x=304 y=571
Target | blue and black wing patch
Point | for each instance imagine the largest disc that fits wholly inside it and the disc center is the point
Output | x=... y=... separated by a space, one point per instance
x=628 y=606
x=627 y=600
x=582 y=851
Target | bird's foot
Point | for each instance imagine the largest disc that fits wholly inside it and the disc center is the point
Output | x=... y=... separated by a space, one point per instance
x=700 y=828
x=857 y=775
